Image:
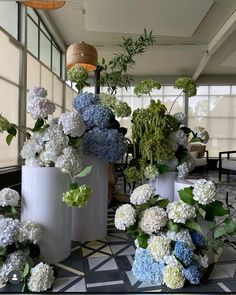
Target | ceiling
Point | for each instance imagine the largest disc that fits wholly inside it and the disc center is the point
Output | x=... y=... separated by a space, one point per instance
x=193 y=37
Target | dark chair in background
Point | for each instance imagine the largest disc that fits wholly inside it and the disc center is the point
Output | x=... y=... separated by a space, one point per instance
x=226 y=165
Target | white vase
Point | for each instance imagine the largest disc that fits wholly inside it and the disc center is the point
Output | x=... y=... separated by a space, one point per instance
x=164 y=185
x=42 y=189
x=90 y=222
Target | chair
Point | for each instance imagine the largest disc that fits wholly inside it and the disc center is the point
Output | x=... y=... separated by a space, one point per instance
x=200 y=154
x=227 y=165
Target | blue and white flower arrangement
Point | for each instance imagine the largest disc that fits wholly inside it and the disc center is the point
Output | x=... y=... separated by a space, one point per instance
x=172 y=244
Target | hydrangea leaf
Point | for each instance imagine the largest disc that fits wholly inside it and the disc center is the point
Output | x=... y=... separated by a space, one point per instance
x=216 y=208
x=162 y=203
x=191 y=224
x=143 y=240
x=26 y=270
x=38 y=124
x=163 y=168
x=172 y=226
x=85 y=172
x=186 y=195
x=9 y=138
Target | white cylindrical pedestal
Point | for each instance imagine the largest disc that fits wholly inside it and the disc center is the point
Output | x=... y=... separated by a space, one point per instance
x=90 y=222
x=42 y=189
x=164 y=185
x=181 y=184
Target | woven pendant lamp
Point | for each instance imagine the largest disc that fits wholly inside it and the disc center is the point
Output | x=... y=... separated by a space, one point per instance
x=83 y=54
x=44 y=4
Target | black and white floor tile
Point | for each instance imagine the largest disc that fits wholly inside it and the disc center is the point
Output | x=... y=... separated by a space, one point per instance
x=105 y=265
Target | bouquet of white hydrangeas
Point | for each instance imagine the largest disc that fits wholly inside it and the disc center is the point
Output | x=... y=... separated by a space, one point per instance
x=171 y=245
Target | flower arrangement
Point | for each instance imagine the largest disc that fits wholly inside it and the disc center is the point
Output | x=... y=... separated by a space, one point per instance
x=52 y=143
x=19 y=248
x=171 y=240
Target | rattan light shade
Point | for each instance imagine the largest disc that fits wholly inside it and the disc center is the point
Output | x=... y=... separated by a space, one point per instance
x=44 y=4
x=83 y=54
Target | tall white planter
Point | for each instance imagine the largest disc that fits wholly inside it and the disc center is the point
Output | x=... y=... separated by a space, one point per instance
x=90 y=222
x=164 y=185
x=42 y=189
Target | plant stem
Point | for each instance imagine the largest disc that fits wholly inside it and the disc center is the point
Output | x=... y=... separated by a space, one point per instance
x=175 y=101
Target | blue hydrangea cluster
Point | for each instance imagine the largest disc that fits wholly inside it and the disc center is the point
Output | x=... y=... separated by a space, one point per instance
x=97 y=115
x=183 y=252
x=84 y=100
x=146 y=269
x=193 y=273
x=198 y=239
x=107 y=144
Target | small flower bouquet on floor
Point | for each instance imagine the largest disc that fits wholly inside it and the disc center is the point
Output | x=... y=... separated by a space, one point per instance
x=173 y=239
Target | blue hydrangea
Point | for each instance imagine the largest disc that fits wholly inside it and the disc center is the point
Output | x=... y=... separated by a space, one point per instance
x=198 y=239
x=97 y=115
x=107 y=144
x=183 y=252
x=84 y=100
x=193 y=273
x=146 y=269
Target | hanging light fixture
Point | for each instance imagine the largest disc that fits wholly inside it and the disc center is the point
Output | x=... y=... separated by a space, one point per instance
x=44 y=4
x=83 y=54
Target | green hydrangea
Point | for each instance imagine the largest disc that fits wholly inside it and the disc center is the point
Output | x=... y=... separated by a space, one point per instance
x=78 y=75
x=187 y=85
x=151 y=172
x=77 y=197
x=108 y=100
x=132 y=174
x=146 y=87
x=122 y=109
x=4 y=124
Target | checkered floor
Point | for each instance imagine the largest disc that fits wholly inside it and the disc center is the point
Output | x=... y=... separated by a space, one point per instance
x=105 y=265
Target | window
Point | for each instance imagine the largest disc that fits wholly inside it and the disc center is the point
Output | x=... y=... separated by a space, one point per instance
x=9 y=17
x=45 y=50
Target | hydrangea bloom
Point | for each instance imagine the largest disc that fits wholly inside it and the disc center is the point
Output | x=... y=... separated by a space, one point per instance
x=180 y=212
x=8 y=231
x=173 y=276
x=132 y=174
x=170 y=260
x=152 y=220
x=78 y=197
x=97 y=115
x=147 y=270
x=180 y=117
x=84 y=100
x=182 y=235
x=37 y=92
x=125 y=216
x=72 y=124
x=178 y=138
x=9 y=197
x=172 y=164
x=204 y=191
x=151 y=172
x=31 y=148
x=159 y=246
x=183 y=171
x=34 y=162
x=40 y=108
x=122 y=109
x=183 y=252
x=107 y=144
x=142 y=194
x=77 y=74
x=198 y=239
x=107 y=100
x=201 y=134
x=193 y=273
x=69 y=161
x=41 y=279
x=30 y=230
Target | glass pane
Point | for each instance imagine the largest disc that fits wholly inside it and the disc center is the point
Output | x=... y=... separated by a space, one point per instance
x=33 y=71
x=198 y=106
x=46 y=81
x=223 y=106
x=9 y=17
x=32 y=37
x=57 y=91
x=170 y=90
x=43 y=28
x=202 y=90
x=219 y=90
x=45 y=50
x=33 y=14
x=178 y=105
x=69 y=98
x=56 y=61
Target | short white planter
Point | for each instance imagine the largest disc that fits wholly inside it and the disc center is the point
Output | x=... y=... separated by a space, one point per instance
x=164 y=184
x=90 y=222
x=42 y=189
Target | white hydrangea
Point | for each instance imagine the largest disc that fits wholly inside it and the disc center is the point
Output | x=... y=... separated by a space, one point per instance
x=30 y=230
x=180 y=212
x=173 y=276
x=142 y=194
x=159 y=246
x=180 y=117
x=172 y=164
x=52 y=150
x=72 y=123
x=204 y=191
x=125 y=216
x=170 y=259
x=183 y=171
x=202 y=134
x=178 y=138
x=69 y=161
x=8 y=231
x=55 y=134
x=41 y=278
x=37 y=92
x=9 y=197
x=40 y=108
x=30 y=148
x=182 y=235
x=33 y=162
x=152 y=220
x=151 y=172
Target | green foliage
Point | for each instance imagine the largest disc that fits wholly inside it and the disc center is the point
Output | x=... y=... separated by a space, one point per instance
x=38 y=125
x=145 y=87
x=163 y=168
x=79 y=75
x=34 y=250
x=143 y=240
x=172 y=226
x=186 y=195
x=191 y=224
x=85 y=172
x=215 y=209
x=188 y=86
x=132 y=174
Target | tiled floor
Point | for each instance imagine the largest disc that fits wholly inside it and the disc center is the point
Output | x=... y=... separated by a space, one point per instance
x=105 y=265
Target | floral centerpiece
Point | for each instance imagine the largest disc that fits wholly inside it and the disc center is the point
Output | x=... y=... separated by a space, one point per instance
x=172 y=246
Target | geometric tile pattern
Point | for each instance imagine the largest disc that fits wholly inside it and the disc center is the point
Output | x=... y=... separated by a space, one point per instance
x=104 y=266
